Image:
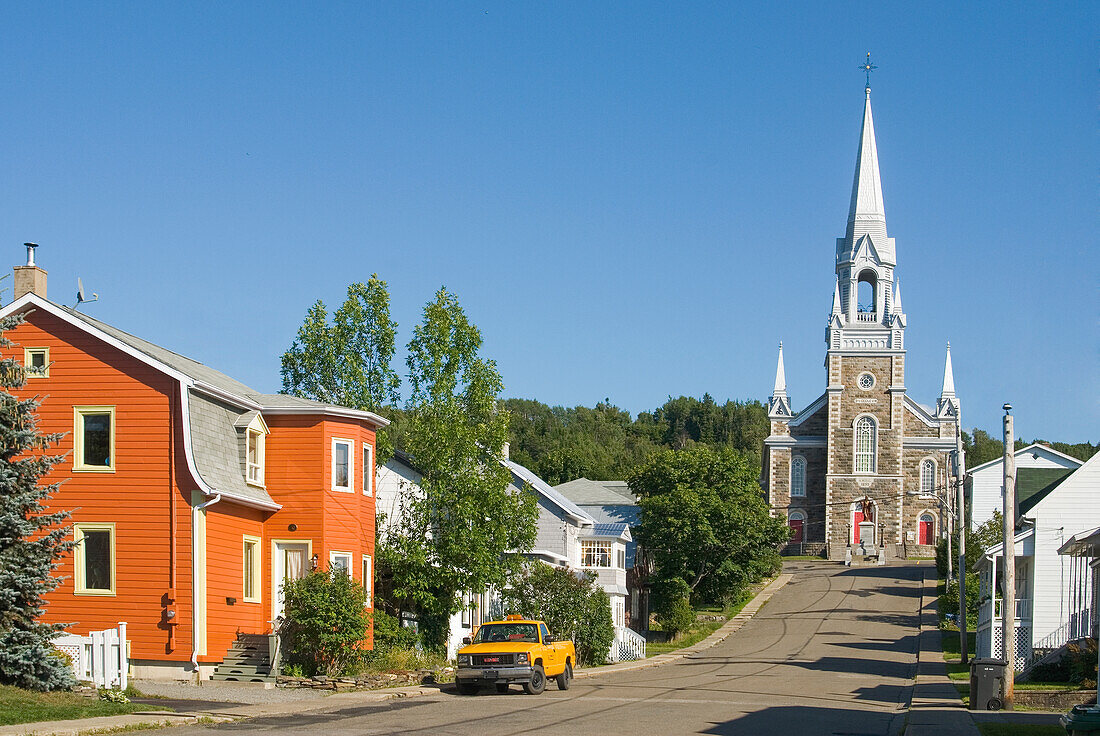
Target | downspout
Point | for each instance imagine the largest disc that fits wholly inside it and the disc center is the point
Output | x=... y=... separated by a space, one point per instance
x=170 y=608
x=196 y=510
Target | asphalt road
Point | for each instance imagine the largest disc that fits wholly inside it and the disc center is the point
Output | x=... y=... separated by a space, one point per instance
x=833 y=652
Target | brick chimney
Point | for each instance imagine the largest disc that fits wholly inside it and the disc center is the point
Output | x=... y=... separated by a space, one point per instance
x=30 y=277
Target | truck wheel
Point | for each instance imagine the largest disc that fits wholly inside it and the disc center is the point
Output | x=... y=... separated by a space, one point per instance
x=502 y=687
x=537 y=683
x=565 y=677
x=467 y=688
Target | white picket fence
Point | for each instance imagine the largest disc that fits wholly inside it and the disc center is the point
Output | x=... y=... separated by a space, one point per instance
x=101 y=657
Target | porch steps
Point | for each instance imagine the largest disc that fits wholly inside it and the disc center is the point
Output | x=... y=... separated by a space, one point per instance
x=248 y=660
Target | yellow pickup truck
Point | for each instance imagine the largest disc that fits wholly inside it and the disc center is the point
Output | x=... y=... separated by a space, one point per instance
x=516 y=651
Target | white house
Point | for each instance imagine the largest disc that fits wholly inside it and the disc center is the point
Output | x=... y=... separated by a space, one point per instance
x=985 y=483
x=1052 y=511
x=566 y=537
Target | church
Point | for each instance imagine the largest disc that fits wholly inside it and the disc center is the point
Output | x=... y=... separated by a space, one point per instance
x=863 y=468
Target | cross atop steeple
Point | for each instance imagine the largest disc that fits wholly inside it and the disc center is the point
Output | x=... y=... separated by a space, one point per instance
x=868 y=67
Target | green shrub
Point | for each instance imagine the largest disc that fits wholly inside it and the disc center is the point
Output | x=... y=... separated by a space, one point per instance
x=389 y=634
x=572 y=607
x=949 y=600
x=1077 y=665
x=676 y=616
x=325 y=622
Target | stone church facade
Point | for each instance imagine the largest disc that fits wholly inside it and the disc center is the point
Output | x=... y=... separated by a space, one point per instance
x=864 y=466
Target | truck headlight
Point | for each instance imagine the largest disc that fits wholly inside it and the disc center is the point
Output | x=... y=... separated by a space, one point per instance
x=521 y=658
x=463 y=659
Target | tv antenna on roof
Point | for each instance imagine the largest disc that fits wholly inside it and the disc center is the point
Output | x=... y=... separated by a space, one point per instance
x=80 y=298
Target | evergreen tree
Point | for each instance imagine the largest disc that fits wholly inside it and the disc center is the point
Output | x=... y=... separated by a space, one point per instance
x=31 y=538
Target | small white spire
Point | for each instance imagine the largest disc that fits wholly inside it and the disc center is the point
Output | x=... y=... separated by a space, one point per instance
x=836 y=298
x=780 y=376
x=779 y=406
x=948 y=376
x=895 y=307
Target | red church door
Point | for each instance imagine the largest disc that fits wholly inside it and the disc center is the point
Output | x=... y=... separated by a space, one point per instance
x=796 y=530
x=926 y=524
x=857 y=517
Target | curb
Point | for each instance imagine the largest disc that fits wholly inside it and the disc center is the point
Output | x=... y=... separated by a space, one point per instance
x=734 y=624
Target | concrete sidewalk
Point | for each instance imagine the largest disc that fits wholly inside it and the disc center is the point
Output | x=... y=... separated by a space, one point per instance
x=936 y=708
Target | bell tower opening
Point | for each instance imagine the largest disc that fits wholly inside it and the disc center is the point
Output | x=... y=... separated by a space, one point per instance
x=867 y=296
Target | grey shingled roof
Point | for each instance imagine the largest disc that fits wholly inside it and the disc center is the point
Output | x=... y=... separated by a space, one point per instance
x=201 y=372
x=585 y=492
x=216 y=445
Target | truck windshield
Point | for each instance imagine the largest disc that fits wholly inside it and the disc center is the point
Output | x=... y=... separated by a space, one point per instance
x=507 y=632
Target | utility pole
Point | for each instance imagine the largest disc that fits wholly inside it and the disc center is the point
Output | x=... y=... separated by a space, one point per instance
x=961 y=525
x=1008 y=600
x=947 y=516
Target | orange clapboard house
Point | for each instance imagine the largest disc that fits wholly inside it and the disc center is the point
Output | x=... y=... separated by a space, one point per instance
x=192 y=495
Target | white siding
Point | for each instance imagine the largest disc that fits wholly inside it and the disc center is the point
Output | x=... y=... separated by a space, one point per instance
x=987 y=484
x=394 y=484
x=1072 y=507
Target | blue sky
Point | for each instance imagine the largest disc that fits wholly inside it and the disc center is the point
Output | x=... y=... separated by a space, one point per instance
x=631 y=200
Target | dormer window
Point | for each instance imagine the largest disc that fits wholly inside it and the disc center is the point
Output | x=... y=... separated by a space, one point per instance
x=36 y=362
x=255 y=457
x=254 y=449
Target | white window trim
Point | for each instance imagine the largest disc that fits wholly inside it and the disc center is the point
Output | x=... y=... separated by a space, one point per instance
x=368 y=580
x=257 y=574
x=796 y=515
x=874 y=445
x=332 y=556
x=598 y=544
x=800 y=459
x=350 y=487
x=78 y=439
x=28 y=372
x=79 y=579
x=261 y=452
x=368 y=469
x=920 y=477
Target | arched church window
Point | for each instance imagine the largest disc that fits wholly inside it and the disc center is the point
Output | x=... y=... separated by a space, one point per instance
x=865 y=445
x=927 y=478
x=798 y=476
x=867 y=292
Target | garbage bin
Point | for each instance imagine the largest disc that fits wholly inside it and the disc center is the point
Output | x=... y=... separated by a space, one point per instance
x=987 y=684
x=1082 y=719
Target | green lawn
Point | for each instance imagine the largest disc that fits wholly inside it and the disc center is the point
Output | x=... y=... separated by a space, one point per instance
x=1020 y=729
x=702 y=629
x=24 y=706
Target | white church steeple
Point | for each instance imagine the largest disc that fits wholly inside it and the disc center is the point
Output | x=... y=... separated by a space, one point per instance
x=869 y=306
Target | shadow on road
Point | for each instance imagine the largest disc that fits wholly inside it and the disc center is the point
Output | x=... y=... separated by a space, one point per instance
x=810 y=720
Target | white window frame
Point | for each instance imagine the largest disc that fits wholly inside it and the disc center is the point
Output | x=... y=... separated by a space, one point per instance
x=80 y=586
x=798 y=490
x=350 y=487
x=335 y=555
x=931 y=490
x=79 y=413
x=251 y=559
x=599 y=548
x=255 y=471
x=871 y=453
x=368 y=580
x=30 y=372
x=368 y=469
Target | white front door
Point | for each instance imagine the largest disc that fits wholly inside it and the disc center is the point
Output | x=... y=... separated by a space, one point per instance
x=289 y=560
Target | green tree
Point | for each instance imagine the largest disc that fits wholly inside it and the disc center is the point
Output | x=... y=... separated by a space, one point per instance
x=455 y=535
x=326 y=622
x=705 y=524
x=348 y=361
x=32 y=538
x=573 y=607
